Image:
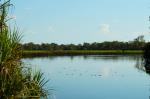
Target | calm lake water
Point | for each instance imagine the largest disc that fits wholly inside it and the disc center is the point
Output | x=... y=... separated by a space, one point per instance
x=94 y=76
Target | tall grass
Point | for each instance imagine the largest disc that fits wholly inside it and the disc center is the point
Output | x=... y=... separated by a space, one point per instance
x=16 y=81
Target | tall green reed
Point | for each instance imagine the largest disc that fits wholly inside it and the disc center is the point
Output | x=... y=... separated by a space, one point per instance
x=16 y=80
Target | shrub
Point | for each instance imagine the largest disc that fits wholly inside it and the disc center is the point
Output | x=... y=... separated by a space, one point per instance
x=16 y=80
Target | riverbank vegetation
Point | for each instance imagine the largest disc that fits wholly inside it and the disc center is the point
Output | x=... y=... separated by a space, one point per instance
x=38 y=53
x=136 y=44
x=16 y=80
x=115 y=47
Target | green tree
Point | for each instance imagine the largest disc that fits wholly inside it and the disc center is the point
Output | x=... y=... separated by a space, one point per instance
x=139 y=42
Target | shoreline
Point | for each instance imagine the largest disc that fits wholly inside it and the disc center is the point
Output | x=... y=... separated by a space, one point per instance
x=40 y=53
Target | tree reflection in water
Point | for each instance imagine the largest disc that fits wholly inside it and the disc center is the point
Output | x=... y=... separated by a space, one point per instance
x=144 y=63
x=147 y=58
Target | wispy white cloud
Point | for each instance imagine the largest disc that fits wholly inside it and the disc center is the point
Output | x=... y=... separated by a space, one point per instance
x=51 y=29
x=139 y=33
x=31 y=32
x=27 y=8
x=105 y=28
x=28 y=11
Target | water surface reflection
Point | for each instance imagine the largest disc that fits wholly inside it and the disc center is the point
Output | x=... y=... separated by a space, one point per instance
x=95 y=76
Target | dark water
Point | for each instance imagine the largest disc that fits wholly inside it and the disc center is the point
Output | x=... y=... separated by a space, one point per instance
x=94 y=77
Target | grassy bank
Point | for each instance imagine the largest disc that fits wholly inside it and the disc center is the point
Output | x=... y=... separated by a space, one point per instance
x=79 y=52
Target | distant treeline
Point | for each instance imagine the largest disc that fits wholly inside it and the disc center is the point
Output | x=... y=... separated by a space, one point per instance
x=137 y=44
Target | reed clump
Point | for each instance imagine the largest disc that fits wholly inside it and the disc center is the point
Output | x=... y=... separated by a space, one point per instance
x=16 y=80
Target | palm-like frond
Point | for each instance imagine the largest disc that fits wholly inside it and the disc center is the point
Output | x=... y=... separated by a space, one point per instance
x=15 y=80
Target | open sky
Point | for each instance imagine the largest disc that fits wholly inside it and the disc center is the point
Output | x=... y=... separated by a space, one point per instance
x=79 y=21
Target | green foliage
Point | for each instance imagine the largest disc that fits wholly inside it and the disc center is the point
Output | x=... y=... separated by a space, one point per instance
x=136 y=44
x=38 y=53
x=16 y=81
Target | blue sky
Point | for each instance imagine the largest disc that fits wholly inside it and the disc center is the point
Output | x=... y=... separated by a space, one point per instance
x=79 y=21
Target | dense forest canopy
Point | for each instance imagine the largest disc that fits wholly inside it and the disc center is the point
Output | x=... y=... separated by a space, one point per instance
x=136 y=44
